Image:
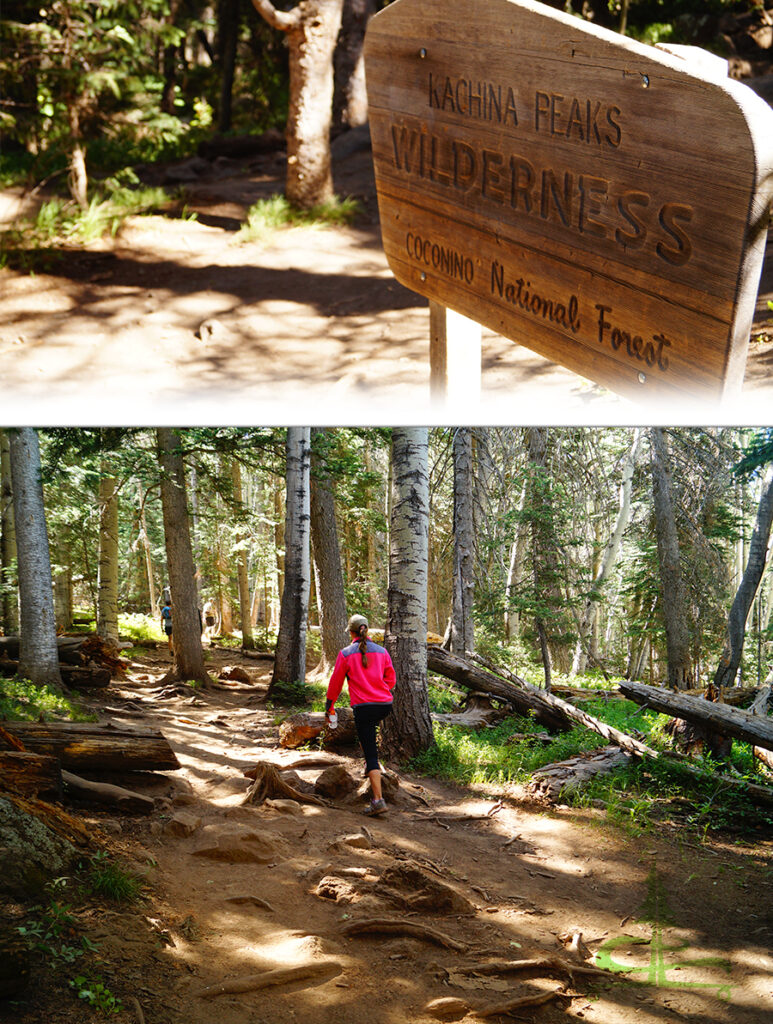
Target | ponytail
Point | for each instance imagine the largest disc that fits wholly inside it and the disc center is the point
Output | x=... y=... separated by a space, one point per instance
x=362 y=632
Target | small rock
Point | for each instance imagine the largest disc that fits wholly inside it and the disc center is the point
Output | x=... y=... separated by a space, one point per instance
x=210 y=330
x=357 y=841
x=284 y=806
x=335 y=782
x=235 y=672
x=182 y=824
x=448 y=1008
x=236 y=846
x=335 y=889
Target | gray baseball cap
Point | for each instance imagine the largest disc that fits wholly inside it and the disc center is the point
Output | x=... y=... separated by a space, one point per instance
x=356 y=622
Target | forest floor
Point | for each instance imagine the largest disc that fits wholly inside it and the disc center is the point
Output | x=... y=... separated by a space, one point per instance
x=233 y=889
x=173 y=321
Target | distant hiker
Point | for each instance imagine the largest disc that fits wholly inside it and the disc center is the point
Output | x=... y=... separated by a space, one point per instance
x=166 y=623
x=368 y=670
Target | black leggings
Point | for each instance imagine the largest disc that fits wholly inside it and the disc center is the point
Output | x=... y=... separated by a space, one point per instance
x=366 y=718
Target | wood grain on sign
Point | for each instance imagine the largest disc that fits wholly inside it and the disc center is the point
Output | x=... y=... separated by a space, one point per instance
x=589 y=196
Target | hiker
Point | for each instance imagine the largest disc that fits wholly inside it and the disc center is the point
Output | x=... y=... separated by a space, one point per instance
x=370 y=675
x=166 y=624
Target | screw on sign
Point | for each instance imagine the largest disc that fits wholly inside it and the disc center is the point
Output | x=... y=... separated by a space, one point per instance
x=601 y=201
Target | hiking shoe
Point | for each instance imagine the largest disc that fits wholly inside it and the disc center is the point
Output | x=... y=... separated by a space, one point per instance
x=376 y=807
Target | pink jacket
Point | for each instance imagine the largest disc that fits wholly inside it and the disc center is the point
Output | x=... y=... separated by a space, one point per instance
x=371 y=685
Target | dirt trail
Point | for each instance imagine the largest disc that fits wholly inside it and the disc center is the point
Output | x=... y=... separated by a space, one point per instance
x=172 y=321
x=694 y=921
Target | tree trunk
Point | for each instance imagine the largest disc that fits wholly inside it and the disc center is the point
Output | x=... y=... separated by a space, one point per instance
x=755 y=566
x=290 y=660
x=146 y=548
x=350 y=100
x=186 y=624
x=408 y=730
x=107 y=577
x=462 y=636
x=608 y=559
x=38 y=659
x=8 y=578
x=312 y=29
x=327 y=560
x=228 y=38
x=671 y=582
x=248 y=641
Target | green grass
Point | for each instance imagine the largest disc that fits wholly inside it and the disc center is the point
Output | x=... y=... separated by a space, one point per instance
x=268 y=216
x=138 y=627
x=30 y=244
x=108 y=880
x=22 y=701
x=638 y=797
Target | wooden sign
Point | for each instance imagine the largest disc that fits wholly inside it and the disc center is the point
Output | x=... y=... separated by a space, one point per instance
x=597 y=200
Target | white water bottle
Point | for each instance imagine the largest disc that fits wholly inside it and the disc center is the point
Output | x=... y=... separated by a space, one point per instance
x=333 y=721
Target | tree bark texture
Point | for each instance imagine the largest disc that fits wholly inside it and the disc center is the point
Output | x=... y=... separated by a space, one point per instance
x=720 y=718
x=107 y=578
x=671 y=582
x=408 y=730
x=312 y=30
x=91 y=747
x=186 y=624
x=747 y=589
x=38 y=658
x=8 y=580
x=248 y=641
x=146 y=548
x=609 y=557
x=462 y=627
x=290 y=660
x=350 y=100
x=327 y=561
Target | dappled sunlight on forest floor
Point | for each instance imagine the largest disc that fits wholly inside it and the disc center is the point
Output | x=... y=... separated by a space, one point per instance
x=236 y=890
x=173 y=314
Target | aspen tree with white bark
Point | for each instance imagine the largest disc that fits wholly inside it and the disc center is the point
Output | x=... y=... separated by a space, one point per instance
x=248 y=641
x=290 y=652
x=38 y=654
x=408 y=730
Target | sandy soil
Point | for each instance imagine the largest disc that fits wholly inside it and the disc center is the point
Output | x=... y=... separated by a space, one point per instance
x=692 y=920
x=174 y=322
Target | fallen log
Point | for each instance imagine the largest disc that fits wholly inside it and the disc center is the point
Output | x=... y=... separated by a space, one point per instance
x=95 y=748
x=31 y=775
x=525 y=699
x=721 y=718
x=310 y=725
x=106 y=794
x=557 y=781
x=74 y=677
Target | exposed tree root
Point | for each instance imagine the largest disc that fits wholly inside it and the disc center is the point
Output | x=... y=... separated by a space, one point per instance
x=268 y=785
x=414 y=931
x=542 y=963
x=135 y=1004
x=516 y=1004
x=280 y=976
x=256 y=901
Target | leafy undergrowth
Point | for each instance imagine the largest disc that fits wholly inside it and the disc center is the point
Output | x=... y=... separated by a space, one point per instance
x=22 y=701
x=268 y=216
x=641 y=796
x=55 y=930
